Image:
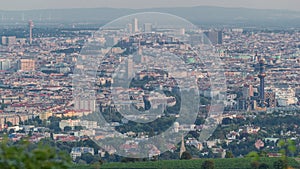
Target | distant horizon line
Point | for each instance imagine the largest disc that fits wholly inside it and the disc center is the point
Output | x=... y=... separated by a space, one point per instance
x=211 y=6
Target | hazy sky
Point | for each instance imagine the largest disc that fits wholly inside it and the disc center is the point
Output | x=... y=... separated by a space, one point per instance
x=51 y=4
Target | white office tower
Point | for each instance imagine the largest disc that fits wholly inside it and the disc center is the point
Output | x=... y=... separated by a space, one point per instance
x=4 y=40
x=4 y=64
x=182 y=31
x=135 y=25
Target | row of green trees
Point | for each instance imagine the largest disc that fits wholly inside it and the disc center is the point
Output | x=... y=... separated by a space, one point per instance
x=281 y=163
x=24 y=155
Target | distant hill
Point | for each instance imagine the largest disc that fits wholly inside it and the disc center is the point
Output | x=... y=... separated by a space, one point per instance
x=198 y=15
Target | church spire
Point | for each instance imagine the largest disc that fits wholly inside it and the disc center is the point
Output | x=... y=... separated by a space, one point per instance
x=182 y=147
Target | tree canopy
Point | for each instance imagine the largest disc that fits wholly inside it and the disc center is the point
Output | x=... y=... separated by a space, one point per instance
x=23 y=156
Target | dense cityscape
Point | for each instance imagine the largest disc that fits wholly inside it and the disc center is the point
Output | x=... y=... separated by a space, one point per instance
x=260 y=108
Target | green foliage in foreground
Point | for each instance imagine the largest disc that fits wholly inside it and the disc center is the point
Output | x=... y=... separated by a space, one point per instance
x=28 y=156
x=232 y=163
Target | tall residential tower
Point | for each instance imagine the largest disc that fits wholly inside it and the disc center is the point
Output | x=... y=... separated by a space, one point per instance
x=30 y=24
x=135 y=25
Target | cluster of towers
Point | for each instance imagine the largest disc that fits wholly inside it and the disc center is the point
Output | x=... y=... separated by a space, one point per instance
x=257 y=99
x=12 y=40
x=134 y=27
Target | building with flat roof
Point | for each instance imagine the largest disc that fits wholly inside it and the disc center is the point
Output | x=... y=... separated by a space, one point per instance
x=26 y=65
x=5 y=64
x=8 y=40
x=216 y=37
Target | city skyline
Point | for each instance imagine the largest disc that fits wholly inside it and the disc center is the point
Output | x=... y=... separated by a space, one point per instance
x=137 y=4
x=123 y=86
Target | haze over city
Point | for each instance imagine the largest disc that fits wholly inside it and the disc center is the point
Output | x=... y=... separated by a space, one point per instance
x=58 y=4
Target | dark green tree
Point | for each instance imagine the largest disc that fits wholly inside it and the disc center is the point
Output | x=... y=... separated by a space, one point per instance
x=229 y=154
x=255 y=165
x=280 y=164
x=186 y=156
x=263 y=166
x=254 y=155
x=54 y=126
x=263 y=154
x=9 y=124
x=89 y=158
x=77 y=128
x=208 y=164
x=287 y=146
x=67 y=128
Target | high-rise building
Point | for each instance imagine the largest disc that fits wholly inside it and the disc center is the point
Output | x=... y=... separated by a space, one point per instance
x=4 y=64
x=135 y=25
x=11 y=40
x=182 y=31
x=130 y=67
x=26 y=64
x=4 y=40
x=30 y=24
x=8 y=40
x=216 y=37
x=147 y=27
